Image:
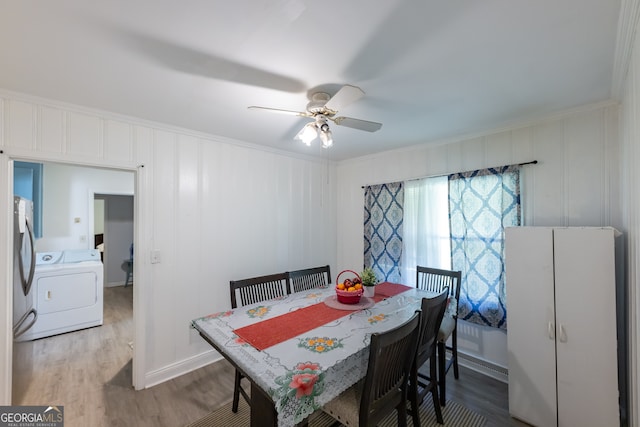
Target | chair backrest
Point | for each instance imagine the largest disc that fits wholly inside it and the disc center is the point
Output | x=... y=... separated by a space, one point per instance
x=432 y=314
x=435 y=280
x=302 y=280
x=391 y=356
x=257 y=289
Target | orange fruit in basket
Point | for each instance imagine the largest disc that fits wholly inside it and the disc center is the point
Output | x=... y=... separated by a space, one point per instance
x=340 y=286
x=358 y=286
x=351 y=289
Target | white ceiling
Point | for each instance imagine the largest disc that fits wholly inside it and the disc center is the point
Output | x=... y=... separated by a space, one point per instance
x=431 y=69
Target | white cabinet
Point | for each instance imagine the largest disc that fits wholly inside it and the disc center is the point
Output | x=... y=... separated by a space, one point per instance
x=561 y=329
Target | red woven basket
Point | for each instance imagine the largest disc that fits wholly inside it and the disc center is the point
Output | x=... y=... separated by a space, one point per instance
x=346 y=297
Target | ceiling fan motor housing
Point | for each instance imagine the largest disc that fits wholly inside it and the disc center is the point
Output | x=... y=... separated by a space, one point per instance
x=317 y=103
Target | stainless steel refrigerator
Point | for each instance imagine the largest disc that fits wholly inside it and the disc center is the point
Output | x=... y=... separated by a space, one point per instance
x=24 y=313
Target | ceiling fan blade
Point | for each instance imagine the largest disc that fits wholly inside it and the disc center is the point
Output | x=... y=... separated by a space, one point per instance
x=345 y=96
x=279 y=111
x=357 y=124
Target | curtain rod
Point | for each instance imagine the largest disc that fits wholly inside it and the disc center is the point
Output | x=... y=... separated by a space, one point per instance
x=532 y=162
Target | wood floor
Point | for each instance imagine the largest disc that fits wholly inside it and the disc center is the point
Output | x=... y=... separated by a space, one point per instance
x=89 y=373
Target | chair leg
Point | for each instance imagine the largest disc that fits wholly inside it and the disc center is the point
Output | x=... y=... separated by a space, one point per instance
x=436 y=405
x=402 y=414
x=433 y=385
x=413 y=399
x=126 y=279
x=236 y=392
x=454 y=353
x=442 y=373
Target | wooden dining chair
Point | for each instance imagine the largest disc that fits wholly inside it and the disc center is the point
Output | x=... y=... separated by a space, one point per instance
x=384 y=388
x=435 y=280
x=420 y=384
x=302 y=280
x=128 y=265
x=251 y=291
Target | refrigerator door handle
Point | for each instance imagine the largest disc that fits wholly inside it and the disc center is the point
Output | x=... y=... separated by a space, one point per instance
x=26 y=284
x=17 y=332
x=32 y=268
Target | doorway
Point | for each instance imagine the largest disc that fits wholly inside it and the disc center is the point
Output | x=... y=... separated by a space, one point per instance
x=113 y=235
x=68 y=223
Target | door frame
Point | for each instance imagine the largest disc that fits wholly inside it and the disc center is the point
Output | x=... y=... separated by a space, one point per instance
x=6 y=264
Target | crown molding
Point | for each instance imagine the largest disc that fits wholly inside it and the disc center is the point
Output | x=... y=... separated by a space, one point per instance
x=506 y=127
x=153 y=125
x=627 y=26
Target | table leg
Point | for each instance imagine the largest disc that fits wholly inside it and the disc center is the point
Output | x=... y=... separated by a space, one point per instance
x=263 y=411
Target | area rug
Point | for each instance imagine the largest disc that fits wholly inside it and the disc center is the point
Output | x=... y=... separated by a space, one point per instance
x=454 y=415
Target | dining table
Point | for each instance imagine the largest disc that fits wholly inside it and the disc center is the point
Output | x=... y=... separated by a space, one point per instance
x=302 y=350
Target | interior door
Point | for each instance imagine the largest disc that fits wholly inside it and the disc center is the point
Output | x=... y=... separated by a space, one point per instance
x=530 y=330
x=586 y=327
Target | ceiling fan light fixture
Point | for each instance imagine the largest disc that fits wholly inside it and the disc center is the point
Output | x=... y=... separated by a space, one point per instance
x=323 y=107
x=326 y=137
x=308 y=133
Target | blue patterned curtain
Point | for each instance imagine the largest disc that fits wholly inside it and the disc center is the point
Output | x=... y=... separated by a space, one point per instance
x=481 y=204
x=383 y=230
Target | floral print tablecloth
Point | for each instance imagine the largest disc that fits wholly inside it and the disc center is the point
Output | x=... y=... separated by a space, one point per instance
x=303 y=373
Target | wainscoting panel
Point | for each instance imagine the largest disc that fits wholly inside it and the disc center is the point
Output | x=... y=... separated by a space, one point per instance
x=118 y=141
x=51 y=130
x=85 y=135
x=19 y=120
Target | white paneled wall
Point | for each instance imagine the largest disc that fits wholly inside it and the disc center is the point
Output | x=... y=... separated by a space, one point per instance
x=211 y=209
x=630 y=200
x=215 y=209
x=575 y=183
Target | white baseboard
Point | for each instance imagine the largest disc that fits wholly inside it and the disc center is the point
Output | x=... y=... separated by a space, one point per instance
x=483 y=366
x=180 y=368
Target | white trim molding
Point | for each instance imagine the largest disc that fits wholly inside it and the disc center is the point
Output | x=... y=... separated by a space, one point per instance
x=6 y=294
x=180 y=368
x=484 y=367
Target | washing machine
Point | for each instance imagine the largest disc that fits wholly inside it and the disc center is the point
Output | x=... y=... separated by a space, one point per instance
x=67 y=292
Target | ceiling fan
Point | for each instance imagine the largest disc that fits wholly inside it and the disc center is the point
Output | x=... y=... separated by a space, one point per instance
x=324 y=107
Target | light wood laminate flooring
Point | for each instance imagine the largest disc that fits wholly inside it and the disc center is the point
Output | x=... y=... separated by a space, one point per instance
x=89 y=373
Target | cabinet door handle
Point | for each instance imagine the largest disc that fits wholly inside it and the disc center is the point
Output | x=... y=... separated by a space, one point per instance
x=552 y=331
x=563 y=334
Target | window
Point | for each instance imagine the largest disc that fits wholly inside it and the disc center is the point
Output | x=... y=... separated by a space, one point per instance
x=455 y=222
x=426 y=226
